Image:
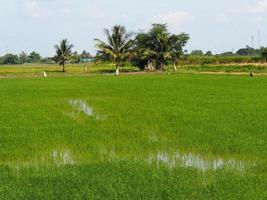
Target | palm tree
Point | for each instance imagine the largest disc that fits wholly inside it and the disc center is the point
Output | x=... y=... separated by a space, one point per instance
x=159 y=38
x=154 y=45
x=142 y=51
x=63 y=53
x=159 y=46
x=118 y=46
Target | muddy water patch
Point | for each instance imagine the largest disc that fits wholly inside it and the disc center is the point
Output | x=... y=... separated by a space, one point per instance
x=195 y=161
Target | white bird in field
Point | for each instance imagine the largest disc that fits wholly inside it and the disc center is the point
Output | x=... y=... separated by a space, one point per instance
x=45 y=74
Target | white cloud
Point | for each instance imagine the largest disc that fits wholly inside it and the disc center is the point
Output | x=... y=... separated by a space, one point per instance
x=40 y=9
x=221 y=18
x=93 y=12
x=173 y=18
x=35 y=10
x=260 y=7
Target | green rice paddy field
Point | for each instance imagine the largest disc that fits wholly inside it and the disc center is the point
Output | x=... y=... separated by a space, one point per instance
x=177 y=136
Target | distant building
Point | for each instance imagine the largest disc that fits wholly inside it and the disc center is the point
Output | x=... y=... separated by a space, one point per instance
x=86 y=60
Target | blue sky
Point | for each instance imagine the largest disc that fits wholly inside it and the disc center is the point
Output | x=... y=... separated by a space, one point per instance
x=217 y=25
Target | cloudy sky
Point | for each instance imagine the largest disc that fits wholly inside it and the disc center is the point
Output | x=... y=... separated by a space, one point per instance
x=217 y=25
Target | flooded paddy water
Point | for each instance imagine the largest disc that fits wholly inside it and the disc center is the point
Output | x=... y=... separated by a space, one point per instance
x=79 y=105
x=199 y=162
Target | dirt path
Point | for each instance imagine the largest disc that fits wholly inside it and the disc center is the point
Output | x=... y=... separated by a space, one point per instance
x=7 y=76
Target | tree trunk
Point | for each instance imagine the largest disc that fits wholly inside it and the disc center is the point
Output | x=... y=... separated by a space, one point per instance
x=148 y=65
x=117 y=69
x=151 y=66
x=174 y=66
x=161 y=66
x=63 y=67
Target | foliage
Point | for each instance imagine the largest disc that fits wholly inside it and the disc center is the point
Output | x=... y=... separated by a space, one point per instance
x=176 y=44
x=234 y=68
x=63 y=53
x=23 y=57
x=197 y=53
x=76 y=58
x=227 y=53
x=34 y=57
x=10 y=59
x=86 y=54
x=208 y=53
x=118 y=46
x=159 y=46
x=248 y=51
x=218 y=59
x=264 y=54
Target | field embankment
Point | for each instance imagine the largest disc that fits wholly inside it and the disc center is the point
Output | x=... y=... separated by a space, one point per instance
x=53 y=70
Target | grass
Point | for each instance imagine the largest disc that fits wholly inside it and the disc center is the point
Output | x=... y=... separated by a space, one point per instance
x=229 y=68
x=148 y=137
x=36 y=70
x=53 y=70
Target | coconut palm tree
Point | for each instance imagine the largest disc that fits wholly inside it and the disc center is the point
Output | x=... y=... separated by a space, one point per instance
x=159 y=43
x=159 y=46
x=63 y=53
x=142 y=53
x=154 y=45
x=118 y=46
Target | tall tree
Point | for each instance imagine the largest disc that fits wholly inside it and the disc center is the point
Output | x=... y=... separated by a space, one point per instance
x=63 y=53
x=264 y=54
x=118 y=46
x=23 y=57
x=34 y=57
x=144 y=55
x=197 y=53
x=10 y=59
x=159 y=43
x=176 y=44
x=160 y=46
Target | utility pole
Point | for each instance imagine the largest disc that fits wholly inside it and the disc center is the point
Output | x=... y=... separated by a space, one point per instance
x=259 y=38
x=252 y=42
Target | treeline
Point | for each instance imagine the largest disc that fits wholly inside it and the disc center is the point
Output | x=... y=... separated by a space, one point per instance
x=243 y=55
x=22 y=58
x=247 y=51
x=219 y=59
x=158 y=47
x=34 y=57
x=153 y=49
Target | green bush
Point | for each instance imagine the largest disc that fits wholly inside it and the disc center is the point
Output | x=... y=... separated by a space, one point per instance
x=203 y=60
